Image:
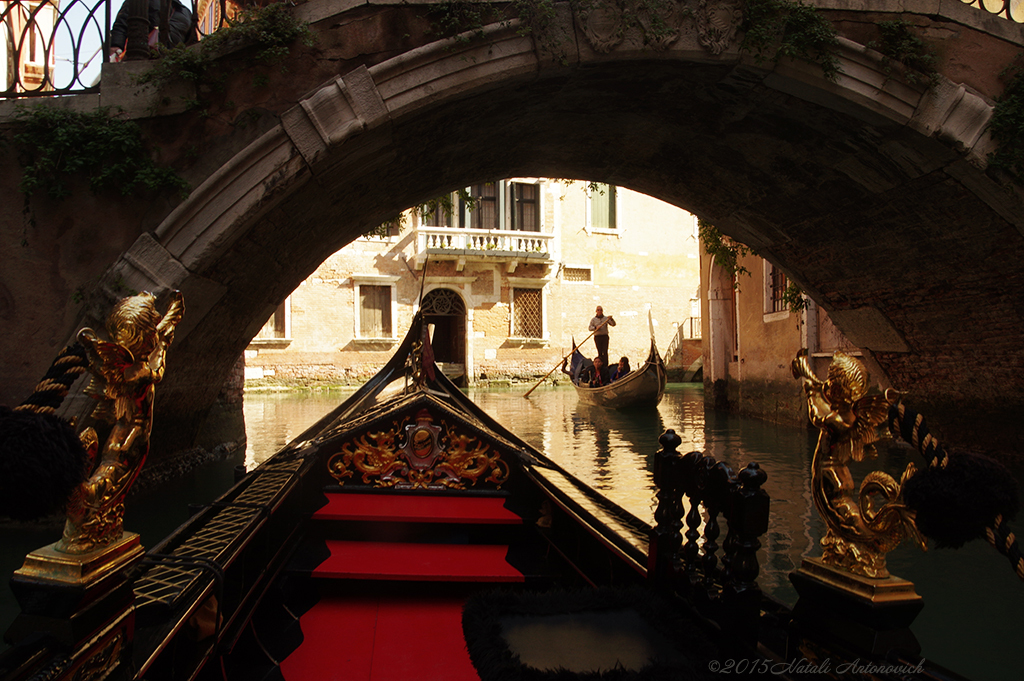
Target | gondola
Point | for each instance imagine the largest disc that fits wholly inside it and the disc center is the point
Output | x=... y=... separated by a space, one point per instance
x=409 y=535
x=639 y=389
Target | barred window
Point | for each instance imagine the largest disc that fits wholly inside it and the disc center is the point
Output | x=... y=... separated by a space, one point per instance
x=374 y=311
x=527 y=313
x=576 y=274
x=779 y=284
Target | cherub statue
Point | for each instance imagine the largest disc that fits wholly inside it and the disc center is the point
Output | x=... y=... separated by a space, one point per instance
x=125 y=371
x=862 y=527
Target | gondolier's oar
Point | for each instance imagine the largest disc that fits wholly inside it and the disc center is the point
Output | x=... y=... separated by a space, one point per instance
x=527 y=393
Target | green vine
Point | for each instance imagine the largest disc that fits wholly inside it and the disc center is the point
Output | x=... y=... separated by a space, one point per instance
x=793 y=30
x=447 y=204
x=57 y=143
x=899 y=44
x=270 y=29
x=794 y=298
x=724 y=250
x=1007 y=124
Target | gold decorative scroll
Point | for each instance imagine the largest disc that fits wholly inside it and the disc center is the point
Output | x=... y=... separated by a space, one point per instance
x=416 y=454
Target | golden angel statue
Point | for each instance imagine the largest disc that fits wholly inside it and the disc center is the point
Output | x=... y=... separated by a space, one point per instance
x=865 y=524
x=125 y=371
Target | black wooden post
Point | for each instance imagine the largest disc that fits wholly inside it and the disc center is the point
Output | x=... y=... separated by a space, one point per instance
x=747 y=513
x=665 y=538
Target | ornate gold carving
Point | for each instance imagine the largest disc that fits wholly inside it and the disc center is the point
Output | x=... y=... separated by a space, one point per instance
x=82 y=569
x=717 y=23
x=427 y=457
x=102 y=662
x=862 y=528
x=125 y=372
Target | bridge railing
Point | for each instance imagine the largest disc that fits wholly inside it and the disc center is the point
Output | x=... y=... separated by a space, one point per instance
x=58 y=47
x=1012 y=10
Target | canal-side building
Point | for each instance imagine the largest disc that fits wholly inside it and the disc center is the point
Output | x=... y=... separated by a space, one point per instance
x=751 y=335
x=508 y=281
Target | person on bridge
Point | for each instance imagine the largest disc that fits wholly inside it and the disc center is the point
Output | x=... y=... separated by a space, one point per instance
x=599 y=325
x=180 y=27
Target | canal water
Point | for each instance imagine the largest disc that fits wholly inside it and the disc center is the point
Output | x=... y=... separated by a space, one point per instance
x=972 y=620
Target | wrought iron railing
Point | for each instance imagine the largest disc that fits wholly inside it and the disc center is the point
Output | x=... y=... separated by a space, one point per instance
x=1008 y=9
x=57 y=47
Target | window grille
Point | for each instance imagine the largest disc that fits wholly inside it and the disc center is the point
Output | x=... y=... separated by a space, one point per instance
x=576 y=274
x=779 y=284
x=374 y=311
x=527 y=313
x=525 y=207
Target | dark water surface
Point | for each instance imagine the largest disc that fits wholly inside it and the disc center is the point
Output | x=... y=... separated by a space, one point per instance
x=973 y=619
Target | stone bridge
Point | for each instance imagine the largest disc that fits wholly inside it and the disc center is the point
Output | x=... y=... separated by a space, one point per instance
x=873 y=191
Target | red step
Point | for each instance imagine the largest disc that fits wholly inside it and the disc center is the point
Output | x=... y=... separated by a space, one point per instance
x=420 y=562
x=381 y=638
x=417 y=508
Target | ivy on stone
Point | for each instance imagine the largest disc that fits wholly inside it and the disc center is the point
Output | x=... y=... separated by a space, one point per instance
x=56 y=143
x=724 y=250
x=898 y=43
x=777 y=29
x=1007 y=125
x=270 y=29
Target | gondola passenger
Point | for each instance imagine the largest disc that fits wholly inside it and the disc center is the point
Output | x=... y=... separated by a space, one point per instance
x=621 y=369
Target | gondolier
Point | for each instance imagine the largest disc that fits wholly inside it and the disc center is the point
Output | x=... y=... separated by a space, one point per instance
x=599 y=325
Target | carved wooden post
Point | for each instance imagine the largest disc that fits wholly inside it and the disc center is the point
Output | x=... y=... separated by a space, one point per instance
x=691 y=465
x=665 y=537
x=747 y=513
x=717 y=478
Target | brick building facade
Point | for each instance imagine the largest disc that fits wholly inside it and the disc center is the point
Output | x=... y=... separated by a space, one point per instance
x=507 y=282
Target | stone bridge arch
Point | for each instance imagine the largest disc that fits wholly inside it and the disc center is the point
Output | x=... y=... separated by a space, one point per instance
x=872 y=193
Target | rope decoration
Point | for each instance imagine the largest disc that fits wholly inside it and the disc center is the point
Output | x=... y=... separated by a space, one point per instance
x=50 y=392
x=1004 y=541
x=958 y=498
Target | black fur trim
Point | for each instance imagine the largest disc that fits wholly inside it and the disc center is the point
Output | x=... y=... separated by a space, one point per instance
x=41 y=462
x=955 y=504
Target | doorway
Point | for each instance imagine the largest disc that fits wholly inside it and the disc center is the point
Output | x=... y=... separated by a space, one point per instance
x=445 y=312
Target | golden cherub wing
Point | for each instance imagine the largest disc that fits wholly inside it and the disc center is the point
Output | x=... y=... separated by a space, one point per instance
x=871 y=411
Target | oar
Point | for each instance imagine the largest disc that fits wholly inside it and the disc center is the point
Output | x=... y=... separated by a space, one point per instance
x=527 y=394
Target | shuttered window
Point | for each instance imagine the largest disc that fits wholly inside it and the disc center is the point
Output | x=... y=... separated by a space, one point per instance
x=375 y=311
x=602 y=206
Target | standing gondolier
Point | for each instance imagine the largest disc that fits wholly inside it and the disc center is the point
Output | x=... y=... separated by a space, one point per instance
x=599 y=325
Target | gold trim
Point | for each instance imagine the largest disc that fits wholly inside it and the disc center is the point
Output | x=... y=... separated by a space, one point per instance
x=81 y=569
x=885 y=590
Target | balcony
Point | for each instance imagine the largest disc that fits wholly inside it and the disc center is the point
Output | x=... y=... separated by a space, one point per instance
x=482 y=245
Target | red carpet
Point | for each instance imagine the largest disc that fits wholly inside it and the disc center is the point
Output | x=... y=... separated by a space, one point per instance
x=427 y=562
x=423 y=509
x=382 y=639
